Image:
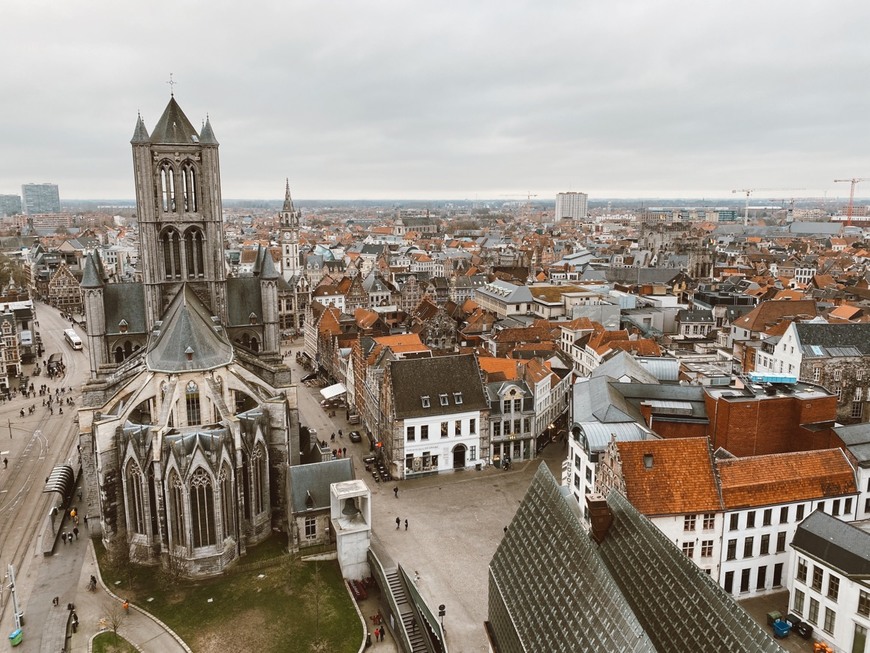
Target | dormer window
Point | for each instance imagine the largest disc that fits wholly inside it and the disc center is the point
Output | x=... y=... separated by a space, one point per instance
x=457 y=398
x=425 y=400
x=443 y=399
x=122 y=326
x=252 y=318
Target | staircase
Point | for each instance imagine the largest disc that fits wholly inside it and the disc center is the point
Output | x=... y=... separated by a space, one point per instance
x=409 y=622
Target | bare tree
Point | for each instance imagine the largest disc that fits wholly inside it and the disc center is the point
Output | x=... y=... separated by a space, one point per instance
x=119 y=559
x=114 y=616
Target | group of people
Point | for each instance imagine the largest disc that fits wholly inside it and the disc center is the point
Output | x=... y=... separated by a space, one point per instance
x=379 y=634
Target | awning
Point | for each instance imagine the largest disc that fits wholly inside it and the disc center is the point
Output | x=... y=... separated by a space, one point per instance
x=61 y=480
x=333 y=391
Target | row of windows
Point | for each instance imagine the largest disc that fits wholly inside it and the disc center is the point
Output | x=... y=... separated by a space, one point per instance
x=749 y=546
x=508 y=427
x=818 y=579
x=785 y=512
x=443 y=399
x=706 y=549
x=760 y=578
x=708 y=522
x=411 y=431
x=813 y=612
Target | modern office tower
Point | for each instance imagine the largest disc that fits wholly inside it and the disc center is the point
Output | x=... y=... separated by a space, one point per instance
x=10 y=205
x=40 y=198
x=571 y=206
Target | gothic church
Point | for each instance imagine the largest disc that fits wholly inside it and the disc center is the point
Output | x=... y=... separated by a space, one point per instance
x=189 y=419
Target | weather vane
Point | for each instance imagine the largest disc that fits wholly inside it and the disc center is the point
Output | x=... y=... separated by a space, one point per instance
x=172 y=84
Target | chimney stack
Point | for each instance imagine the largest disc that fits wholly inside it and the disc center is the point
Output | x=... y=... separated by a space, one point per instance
x=599 y=515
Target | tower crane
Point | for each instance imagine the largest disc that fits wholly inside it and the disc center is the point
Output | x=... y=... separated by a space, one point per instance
x=748 y=192
x=854 y=181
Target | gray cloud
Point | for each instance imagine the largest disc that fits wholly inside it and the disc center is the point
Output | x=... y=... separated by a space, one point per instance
x=413 y=99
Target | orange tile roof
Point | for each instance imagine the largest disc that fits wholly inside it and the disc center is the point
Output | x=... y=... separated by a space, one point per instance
x=680 y=481
x=503 y=368
x=769 y=313
x=844 y=312
x=785 y=477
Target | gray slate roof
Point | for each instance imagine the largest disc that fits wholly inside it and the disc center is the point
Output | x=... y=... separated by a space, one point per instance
x=124 y=301
x=841 y=545
x=174 y=127
x=187 y=323
x=315 y=478
x=850 y=339
x=243 y=298
x=415 y=378
x=856 y=437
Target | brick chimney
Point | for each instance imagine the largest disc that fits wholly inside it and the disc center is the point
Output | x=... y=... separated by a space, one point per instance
x=599 y=516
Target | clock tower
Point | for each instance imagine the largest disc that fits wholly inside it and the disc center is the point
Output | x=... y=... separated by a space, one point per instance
x=289 y=237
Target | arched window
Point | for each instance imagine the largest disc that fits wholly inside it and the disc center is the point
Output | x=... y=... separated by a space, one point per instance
x=135 y=499
x=259 y=479
x=119 y=355
x=194 y=253
x=202 y=509
x=255 y=345
x=170 y=244
x=191 y=396
x=188 y=187
x=228 y=501
x=176 y=507
x=167 y=187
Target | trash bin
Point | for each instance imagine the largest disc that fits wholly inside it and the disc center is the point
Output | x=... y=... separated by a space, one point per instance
x=16 y=636
x=780 y=629
x=804 y=630
x=773 y=617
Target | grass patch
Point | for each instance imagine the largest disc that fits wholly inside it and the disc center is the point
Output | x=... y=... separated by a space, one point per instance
x=109 y=643
x=293 y=601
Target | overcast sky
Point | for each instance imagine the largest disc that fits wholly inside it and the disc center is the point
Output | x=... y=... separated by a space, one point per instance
x=464 y=99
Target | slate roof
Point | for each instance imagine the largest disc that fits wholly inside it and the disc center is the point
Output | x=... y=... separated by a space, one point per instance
x=784 y=478
x=842 y=546
x=681 y=479
x=856 y=437
x=124 y=301
x=315 y=478
x=551 y=588
x=187 y=323
x=174 y=127
x=415 y=378
x=854 y=337
x=243 y=298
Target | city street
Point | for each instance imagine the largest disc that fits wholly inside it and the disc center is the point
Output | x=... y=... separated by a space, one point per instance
x=33 y=445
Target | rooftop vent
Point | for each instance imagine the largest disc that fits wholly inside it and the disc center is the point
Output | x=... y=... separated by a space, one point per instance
x=648 y=461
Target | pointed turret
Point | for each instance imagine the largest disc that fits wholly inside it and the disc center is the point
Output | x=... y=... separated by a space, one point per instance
x=174 y=127
x=91 y=276
x=207 y=135
x=288 y=201
x=267 y=267
x=140 y=134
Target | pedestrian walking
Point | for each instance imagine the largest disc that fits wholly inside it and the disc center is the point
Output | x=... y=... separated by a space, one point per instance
x=5 y=463
x=76 y=529
x=63 y=536
x=344 y=452
x=396 y=491
x=406 y=524
x=398 y=522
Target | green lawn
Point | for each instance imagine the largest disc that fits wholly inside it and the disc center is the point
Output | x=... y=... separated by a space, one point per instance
x=263 y=610
x=107 y=643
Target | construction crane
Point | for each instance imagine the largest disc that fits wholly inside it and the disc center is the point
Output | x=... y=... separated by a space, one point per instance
x=748 y=192
x=855 y=181
x=527 y=205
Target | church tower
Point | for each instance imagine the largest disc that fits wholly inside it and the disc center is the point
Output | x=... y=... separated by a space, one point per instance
x=178 y=204
x=290 y=218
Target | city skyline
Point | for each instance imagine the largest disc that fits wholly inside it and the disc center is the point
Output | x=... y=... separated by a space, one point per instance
x=497 y=100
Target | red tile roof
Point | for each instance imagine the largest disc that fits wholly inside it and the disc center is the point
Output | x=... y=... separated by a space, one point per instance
x=785 y=477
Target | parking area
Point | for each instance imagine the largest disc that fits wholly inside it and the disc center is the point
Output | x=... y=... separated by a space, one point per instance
x=759 y=607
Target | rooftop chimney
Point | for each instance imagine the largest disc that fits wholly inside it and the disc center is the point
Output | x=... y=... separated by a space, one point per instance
x=599 y=515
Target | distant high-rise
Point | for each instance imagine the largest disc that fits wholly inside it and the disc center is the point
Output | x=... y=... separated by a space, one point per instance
x=571 y=206
x=40 y=198
x=10 y=205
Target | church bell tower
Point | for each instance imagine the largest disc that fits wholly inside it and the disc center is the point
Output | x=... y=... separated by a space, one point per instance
x=290 y=218
x=178 y=205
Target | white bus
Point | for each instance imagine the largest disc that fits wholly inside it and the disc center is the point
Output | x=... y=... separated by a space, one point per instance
x=72 y=338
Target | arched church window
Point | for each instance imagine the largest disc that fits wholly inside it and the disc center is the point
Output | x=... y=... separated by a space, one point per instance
x=135 y=499
x=194 y=254
x=259 y=479
x=202 y=509
x=255 y=345
x=170 y=245
x=128 y=348
x=191 y=397
x=176 y=507
x=188 y=187
x=167 y=187
x=228 y=501
x=119 y=354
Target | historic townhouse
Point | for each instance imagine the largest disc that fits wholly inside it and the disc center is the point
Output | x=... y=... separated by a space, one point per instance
x=436 y=417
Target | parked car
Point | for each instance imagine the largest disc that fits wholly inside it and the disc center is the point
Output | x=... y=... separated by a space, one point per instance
x=355 y=436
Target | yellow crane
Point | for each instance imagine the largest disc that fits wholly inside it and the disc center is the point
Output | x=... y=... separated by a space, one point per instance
x=854 y=181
